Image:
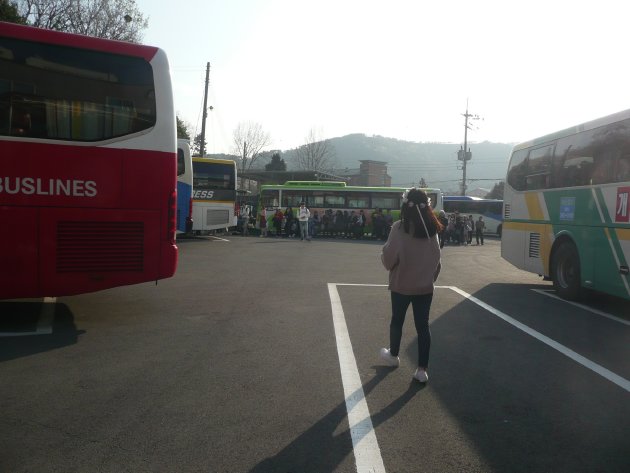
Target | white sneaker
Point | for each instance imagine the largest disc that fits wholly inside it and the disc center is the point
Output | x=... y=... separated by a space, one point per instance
x=390 y=359
x=421 y=375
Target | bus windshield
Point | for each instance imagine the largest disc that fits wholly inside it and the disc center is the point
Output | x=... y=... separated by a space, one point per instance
x=210 y=176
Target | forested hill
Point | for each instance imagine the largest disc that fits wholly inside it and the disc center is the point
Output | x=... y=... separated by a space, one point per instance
x=408 y=161
x=436 y=163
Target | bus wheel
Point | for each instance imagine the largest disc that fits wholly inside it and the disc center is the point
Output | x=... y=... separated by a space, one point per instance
x=499 y=230
x=566 y=271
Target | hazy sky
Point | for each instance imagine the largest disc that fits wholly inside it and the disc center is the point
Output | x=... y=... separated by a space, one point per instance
x=398 y=68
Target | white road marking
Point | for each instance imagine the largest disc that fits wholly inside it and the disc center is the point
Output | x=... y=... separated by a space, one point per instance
x=600 y=370
x=46 y=317
x=582 y=306
x=44 y=322
x=367 y=453
x=217 y=238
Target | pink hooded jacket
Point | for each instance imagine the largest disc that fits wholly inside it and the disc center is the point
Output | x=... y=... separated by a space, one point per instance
x=413 y=263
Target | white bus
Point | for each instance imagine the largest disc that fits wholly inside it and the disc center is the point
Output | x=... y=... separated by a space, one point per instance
x=214 y=194
x=566 y=213
x=490 y=209
x=184 y=187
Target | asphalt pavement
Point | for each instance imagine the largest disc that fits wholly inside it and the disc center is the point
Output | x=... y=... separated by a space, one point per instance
x=239 y=363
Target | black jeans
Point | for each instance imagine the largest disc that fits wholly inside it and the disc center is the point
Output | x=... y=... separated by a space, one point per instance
x=421 y=305
x=479 y=235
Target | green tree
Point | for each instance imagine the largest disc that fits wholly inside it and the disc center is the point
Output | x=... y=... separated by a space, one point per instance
x=110 y=19
x=276 y=163
x=497 y=191
x=182 y=129
x=9 y=12
x=196 y=146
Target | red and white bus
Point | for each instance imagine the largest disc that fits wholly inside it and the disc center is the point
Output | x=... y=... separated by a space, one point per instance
x=88 y=159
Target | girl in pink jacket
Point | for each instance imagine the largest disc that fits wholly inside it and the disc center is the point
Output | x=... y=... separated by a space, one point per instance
x=412 y=256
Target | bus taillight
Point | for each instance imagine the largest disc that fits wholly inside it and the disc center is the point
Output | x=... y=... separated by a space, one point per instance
x=172 y=217
x=189 y=219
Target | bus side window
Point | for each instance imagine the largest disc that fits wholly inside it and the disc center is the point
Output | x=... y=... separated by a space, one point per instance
x=181 y=165
x=579 y=171
x=518 y=170
x=539 y=167
x=622 y=171
x=602 y=167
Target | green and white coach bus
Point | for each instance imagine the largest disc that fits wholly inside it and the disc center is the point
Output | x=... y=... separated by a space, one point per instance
x=566 y=207
x=325 y=195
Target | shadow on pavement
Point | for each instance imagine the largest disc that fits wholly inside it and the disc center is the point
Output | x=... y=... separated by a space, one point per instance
x=300 y=456
x=23 y=317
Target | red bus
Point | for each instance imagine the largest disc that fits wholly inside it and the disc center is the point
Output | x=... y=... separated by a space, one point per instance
x=88 y=168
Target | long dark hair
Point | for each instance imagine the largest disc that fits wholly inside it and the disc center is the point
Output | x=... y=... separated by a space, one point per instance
x=416 y=202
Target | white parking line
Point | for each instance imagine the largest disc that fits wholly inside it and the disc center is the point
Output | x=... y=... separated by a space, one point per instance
x=600 y=370
x=46 y=317
x=582 y=306
x=367 y=452
x=217 y=238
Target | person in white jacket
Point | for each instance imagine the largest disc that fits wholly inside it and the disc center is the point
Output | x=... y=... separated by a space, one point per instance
x=412 y=257
x=303 y=215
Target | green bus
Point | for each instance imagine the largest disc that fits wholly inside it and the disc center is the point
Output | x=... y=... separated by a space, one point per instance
x=566 y=212
x=325 y=196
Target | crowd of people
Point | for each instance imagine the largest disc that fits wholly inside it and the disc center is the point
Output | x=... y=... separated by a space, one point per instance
x=459 y=229
x=332 y=224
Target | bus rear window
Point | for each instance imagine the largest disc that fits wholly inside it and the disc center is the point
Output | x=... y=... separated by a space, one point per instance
x=62 y=93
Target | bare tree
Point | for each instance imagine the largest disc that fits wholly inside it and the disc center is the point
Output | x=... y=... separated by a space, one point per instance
x=316 y=154
x=110 y=19
x=249 y=141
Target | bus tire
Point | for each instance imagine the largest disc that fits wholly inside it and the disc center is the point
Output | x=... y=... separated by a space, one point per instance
x=565 y=271
x=499 y=230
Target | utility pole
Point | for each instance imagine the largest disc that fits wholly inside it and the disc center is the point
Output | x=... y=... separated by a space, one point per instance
x=202 y=146
x=464 y=154
x=244 y=158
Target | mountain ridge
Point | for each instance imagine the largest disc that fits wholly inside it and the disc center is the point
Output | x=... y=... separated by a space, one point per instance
x=436 y=163
x=408 y=161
